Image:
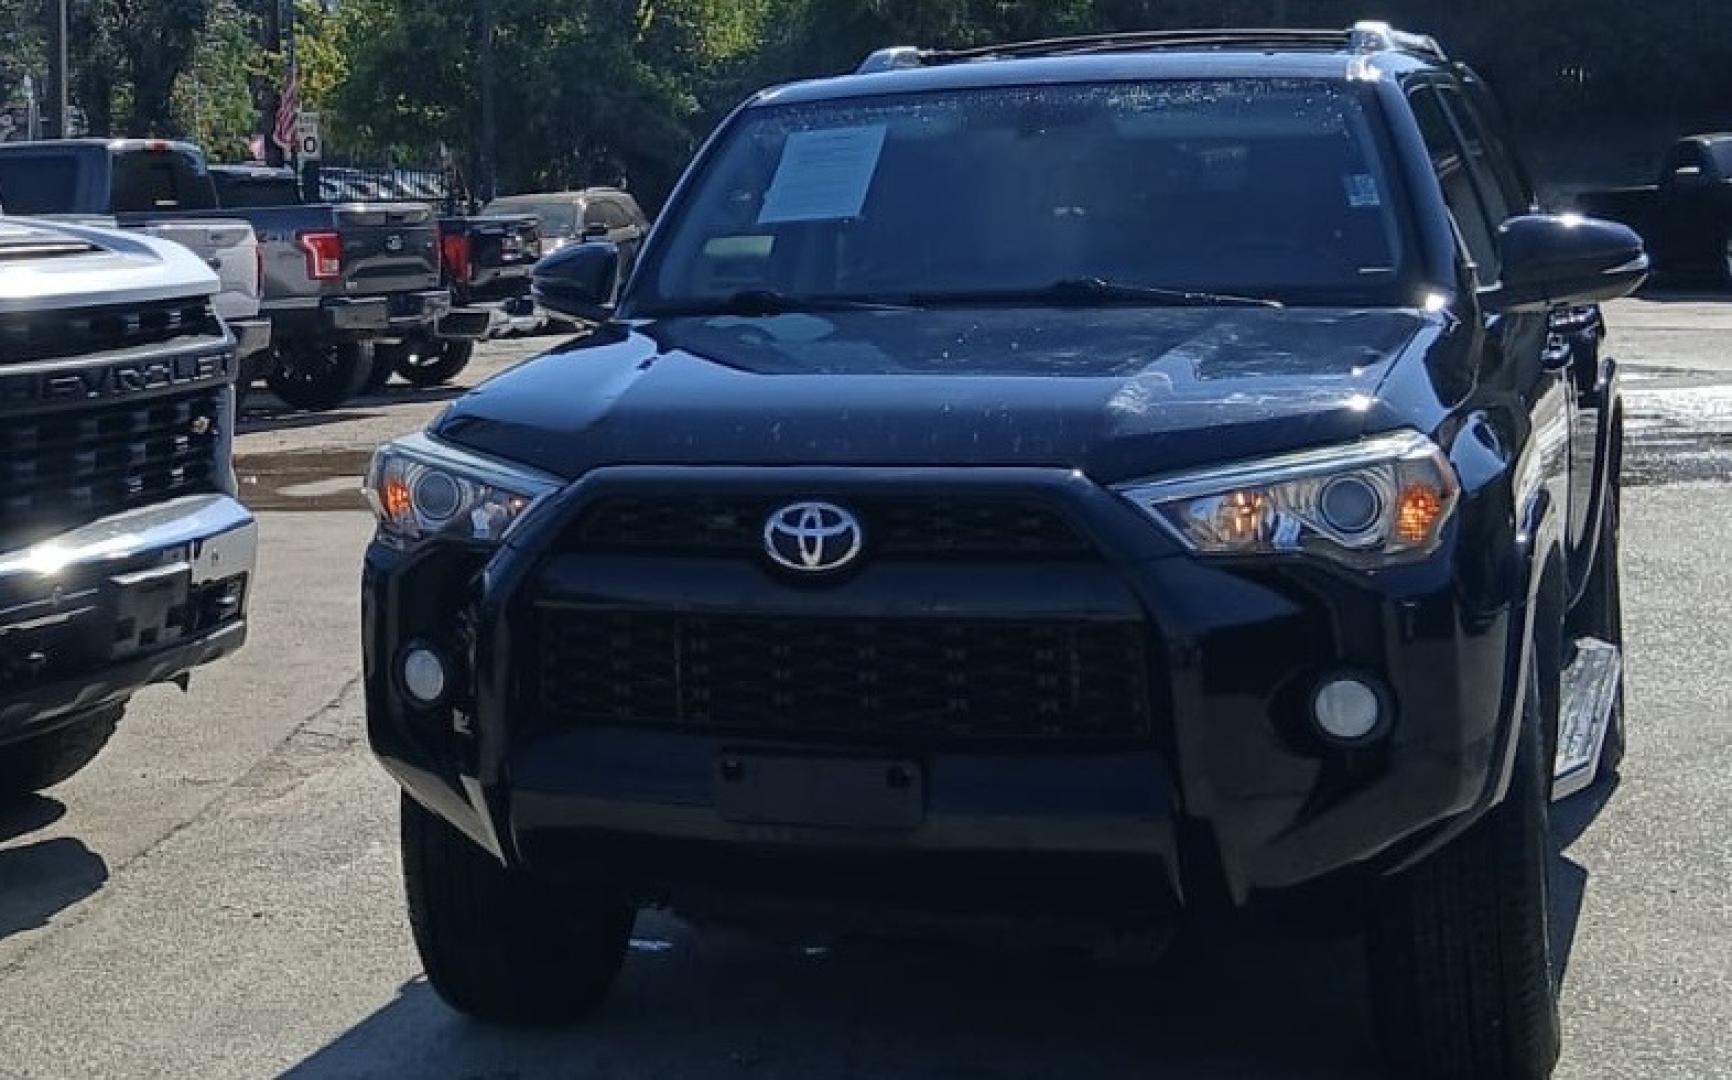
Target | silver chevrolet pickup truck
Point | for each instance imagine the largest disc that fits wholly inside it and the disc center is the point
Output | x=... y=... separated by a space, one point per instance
x=125 y=558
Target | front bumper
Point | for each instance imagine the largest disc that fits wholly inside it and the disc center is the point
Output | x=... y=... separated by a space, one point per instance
x=252 y=336
x=469 y=323
x=1229 y=794
x=89 y=617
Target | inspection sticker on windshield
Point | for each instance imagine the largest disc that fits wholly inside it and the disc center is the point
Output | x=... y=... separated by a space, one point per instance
x=824 y=175
x=1362 y=190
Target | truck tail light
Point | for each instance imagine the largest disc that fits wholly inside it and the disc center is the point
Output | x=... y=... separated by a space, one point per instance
x=324 y=251
x=454 y=253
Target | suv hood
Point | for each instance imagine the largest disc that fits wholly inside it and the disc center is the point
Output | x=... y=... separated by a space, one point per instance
x=52 y=265
x=1116 y=392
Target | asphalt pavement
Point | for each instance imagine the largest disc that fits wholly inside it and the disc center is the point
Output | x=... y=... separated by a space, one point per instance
x=218 y=895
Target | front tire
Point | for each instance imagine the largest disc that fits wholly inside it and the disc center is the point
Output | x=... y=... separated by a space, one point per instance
x=317 y=376
x=1460 y=950
x=500 y=944
x=42 y=761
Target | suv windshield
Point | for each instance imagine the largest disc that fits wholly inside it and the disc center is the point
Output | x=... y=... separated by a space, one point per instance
x=1272 y=188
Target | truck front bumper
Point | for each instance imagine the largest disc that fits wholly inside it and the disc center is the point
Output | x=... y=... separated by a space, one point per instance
x=470 y=323
x=1227 y=791
x=89 y=617
x=252 y=336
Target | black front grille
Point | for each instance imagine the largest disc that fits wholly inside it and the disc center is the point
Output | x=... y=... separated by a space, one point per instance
x=904 y=680
x=63 y=469
x=51 y=335
x=903 y=526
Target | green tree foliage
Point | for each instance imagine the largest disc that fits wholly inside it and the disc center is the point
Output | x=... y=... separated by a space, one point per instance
x=585 y=91
x=213 y=96
x=128 y=56
x=592 y=90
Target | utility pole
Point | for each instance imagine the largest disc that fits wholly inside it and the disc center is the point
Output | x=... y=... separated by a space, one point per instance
x=32 y=110
x=54 y=120
x=489 y=123
x=273 y=32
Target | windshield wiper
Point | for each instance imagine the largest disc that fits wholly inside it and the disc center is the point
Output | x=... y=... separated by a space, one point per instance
x=755 y=303
x=1083 y=292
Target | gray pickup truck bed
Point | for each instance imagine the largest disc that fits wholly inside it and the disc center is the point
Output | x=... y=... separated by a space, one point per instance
x=335 y=277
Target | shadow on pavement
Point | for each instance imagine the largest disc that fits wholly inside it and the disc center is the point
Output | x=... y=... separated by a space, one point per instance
x=39 y=880
x=1237 y=1001
x=256 y=420
x=1570 y=819
x=718 y=1005
x=264 y=412
x=1685 y=291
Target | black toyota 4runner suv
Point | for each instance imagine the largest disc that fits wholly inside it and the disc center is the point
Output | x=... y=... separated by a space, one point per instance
x=1097 y=479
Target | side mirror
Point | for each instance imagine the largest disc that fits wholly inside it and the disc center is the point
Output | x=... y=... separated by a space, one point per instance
x=1551 y=259
x=595 y=231
x=578 y=281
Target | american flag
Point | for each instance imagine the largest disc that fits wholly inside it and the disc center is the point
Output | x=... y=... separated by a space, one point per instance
x=288 y=108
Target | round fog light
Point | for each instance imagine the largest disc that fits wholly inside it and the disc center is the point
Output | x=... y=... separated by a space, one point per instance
x=424 y=675
x=1347 y=709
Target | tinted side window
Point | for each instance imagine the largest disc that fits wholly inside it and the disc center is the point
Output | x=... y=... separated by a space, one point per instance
x=250 y=192
x=1450 y=164
x=37 y=184
x=1493 y=192
x=612 y=215
x=1720 y=156
x=147 y=180
x=1687 y=156
x=1479 y=112
x=634 y=213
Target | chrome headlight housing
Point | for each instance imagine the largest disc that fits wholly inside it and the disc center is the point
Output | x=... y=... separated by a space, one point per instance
x=1378 y=501
x=421 y=489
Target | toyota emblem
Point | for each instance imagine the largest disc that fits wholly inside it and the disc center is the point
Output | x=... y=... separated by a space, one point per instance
x=394 y=242
x=813 y=537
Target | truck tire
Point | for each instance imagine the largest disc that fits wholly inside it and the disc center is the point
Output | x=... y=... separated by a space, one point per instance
x=1459 y=949
x=431 y=363
x=499 y=944
x=41 y=761
x=320 y=376
x=385 y=357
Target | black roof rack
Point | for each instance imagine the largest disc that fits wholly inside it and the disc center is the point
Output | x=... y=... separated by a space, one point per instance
x=1364 y=37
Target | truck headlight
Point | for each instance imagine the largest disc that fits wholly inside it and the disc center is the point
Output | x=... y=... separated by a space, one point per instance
x=421 y=488
x=1383 y=499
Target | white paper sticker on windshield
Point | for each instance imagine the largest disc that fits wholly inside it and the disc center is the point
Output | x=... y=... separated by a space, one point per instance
x=1362 y=190
x=824 y=175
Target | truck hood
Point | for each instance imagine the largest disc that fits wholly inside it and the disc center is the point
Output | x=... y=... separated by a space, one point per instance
x=53 y=265
x=1115 y=392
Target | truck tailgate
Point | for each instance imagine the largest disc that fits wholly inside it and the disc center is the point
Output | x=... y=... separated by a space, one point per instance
x=505 y=243
x=392 y=247
x=227 y=246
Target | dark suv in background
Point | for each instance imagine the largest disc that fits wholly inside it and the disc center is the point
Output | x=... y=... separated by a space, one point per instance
x=1097 y=480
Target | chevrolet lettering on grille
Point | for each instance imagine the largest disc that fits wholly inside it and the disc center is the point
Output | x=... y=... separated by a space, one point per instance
x=115 y=380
